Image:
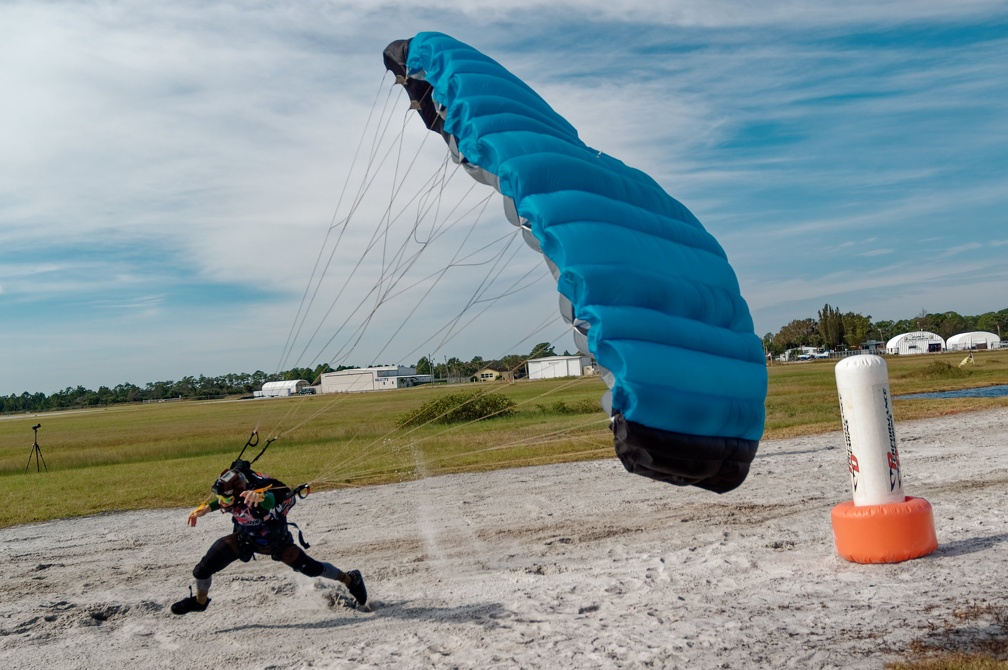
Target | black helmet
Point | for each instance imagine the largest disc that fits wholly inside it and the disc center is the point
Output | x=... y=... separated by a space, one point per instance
x=230 y=483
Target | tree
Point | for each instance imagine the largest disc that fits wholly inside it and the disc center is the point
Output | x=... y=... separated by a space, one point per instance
x=514 y=364
x=949 y=323
x=424 y=367
x=455 y=369
x=856 y=329
x=994 y=322
x=800 y=332
x=831 y=327
x=771 y=346
x=542 y=350
x=883 y=331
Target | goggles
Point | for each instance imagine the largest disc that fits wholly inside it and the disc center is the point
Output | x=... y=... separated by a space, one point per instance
x=226 y=501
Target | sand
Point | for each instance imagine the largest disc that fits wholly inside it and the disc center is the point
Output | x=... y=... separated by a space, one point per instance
x=566 y=566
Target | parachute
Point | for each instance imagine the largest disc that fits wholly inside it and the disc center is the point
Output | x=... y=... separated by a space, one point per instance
x=649 y=292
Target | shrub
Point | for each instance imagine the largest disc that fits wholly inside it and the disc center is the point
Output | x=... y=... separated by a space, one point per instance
x=584 y=406
x=460 y=407
x=942 y=370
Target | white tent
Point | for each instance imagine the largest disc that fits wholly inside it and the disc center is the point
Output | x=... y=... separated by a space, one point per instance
x=977 y=339
x=920 y=342
x=282 y=389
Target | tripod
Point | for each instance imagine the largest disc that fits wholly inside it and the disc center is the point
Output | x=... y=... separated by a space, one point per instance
x=36 y=452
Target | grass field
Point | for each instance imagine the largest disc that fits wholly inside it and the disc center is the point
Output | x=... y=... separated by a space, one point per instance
x=167 y=454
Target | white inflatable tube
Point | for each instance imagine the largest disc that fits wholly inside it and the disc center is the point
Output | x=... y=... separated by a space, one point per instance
x=866 y=413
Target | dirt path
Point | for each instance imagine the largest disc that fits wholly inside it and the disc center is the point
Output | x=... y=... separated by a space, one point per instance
x=571 y=566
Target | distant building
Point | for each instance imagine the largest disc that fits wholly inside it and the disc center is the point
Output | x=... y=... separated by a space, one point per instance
x=803 y=354
x=282 y=389
x=920 y=342
x=873 y=347
x=553 y=367
x=977 y=339
x=381 y=378
x=489 y=375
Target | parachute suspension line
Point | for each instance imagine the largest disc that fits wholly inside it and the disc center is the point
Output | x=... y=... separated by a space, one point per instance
x=449 y=325
x=353 y=272
x=422 y=207
x=552 y=437
x=398 y=183
x=399 y=437
x=320 y=270
x=317 y=276
x=359 y=332
x=390 y=274
x=365 y=185
x=454 y=331
x=396 y=263
x=439 y=275
x=388 y=216
x=396 y=273
x=475 y=300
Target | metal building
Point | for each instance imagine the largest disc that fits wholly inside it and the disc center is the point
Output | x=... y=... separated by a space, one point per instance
x=978 y=339
x=920 y=342
x=553 y=367
x=371 y=379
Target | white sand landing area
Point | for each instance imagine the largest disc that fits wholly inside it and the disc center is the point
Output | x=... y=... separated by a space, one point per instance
x=566 y=566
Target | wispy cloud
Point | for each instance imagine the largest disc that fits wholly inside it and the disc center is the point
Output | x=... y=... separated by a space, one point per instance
x=170 y=169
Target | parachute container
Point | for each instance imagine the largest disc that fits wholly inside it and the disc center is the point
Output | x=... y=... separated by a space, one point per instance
x=648 y=291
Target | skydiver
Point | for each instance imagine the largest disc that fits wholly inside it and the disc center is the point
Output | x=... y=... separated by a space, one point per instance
x=260 y=528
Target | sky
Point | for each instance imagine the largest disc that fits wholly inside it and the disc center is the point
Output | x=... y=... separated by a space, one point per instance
x=171 y=172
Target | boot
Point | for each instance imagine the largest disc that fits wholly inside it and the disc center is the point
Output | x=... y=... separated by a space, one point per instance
x=356 y=587
x=190 y=604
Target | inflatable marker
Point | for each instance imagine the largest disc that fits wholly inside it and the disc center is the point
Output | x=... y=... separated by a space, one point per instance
x=880 y=524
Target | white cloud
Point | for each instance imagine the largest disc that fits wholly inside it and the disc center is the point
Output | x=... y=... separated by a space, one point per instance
x=156 y=151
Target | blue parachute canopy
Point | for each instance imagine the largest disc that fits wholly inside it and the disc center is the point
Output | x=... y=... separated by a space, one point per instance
x=648 y=290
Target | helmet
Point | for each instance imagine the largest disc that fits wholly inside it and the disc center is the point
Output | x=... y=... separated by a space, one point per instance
x=230 y=483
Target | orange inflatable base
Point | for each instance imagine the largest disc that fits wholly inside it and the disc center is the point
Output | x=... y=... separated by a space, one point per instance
x=888 y=533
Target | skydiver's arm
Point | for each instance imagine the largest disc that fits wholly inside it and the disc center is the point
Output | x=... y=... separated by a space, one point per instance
x=203 y=509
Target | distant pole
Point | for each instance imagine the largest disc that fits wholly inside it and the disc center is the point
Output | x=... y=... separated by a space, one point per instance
x=36 y=452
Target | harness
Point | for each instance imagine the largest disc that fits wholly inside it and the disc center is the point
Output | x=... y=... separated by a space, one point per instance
x=267 y=530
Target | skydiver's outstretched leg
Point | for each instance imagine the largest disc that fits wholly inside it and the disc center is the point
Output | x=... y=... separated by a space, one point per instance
x=295 y=557
x=221 y=554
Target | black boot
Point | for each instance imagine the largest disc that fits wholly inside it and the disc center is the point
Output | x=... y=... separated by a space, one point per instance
x=190 y=604
x=356 y=587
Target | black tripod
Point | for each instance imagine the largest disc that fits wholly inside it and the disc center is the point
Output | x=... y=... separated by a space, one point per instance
x=36 y=452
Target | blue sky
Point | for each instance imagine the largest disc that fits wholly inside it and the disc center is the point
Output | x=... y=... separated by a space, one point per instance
x=168 y=171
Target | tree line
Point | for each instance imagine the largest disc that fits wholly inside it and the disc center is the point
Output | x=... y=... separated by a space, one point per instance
x=832 y=329
x=837 y=331
x=239 y=384
x=191 y=388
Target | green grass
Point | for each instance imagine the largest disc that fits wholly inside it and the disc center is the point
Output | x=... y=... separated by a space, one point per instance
x=802 y=397
x=164 y=455
x=167 y=455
